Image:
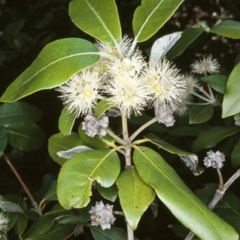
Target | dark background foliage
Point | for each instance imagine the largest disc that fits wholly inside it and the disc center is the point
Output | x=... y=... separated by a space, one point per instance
x=26 y=26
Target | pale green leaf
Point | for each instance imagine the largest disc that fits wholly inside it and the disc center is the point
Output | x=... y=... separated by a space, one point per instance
x=231 y=100
x=66 y=122
x=227 y=28
x=151 y=15
x=188 y=36
x=200 y=114
x=135 y=195
x=97 y=18
x=178 y=198
x=217 y=82
x=55 y=64
x=25 y=137
x=18 y=112
x=77 y=175
x=211 y=137
x=59 y=142
x=101 y=108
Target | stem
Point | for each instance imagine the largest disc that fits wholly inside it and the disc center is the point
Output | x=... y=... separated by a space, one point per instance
x=129 y=232
x=118 y=139
x=218 y=194
x=34 y=203
x=127 y=142
x=142 y=128
x=220 y=178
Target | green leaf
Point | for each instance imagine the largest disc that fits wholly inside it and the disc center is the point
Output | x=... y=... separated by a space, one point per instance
x=231 y=100
x=217 y=82
x=50 y=194
x=151 y=15
x=135 y=195
x=235 y=155
x=97 y=18
x=110 y=193
x=18 y=112
x=66 y=122
x=188 y=36
x=200 y=114
x=55 y=64
x=3 y=139
x=77 y=174
x=227 y=28
x=178 y=198
x=59 y=142
x=108 y=234
x=25 y=137
x=101 y=108
x=166 y=146
x=227 y=208
x=211 y=137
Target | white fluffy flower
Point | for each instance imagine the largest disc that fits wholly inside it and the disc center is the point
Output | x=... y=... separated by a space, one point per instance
x=3 y=224
x=81 y=93
x=166 y=85
x=206 y=65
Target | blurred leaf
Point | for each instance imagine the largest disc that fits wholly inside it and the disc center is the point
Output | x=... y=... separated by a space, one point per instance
x=3 y=139
x=17 y=113
x=200 y=114
x=108 y=234
x=178 y=198
x=77 y=175
x=235 y=155
x=59 y=142
x=211 y=137
x=194 y=130
x=188 y=36
x=66 y=122
x=110 y=193
x=7 y=206
x=217 y=82
x=73 y=151
x=12 y=29
x=150 y=16
x=231 y=100
x=50 y=194
x=55 y=64
x=135 y=195
x=25 y=137
x=90 y=16
x=227 y=28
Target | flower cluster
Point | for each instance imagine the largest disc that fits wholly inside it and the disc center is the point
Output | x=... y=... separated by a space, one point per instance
x=3 y=224
x=126 y=81
x=214 y=159
x=102 y=215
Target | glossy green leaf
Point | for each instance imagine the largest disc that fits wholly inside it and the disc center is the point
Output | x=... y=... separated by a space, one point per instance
x=25 y=137
x=66 y=122
x=3 y=139
x=190 y=130
x=110 y=193
x=55 y=64
x=151 y=15
x=200 y=114
x=188 y=36
x=108 y=234
x=178 y=198
x=231 y=100
x=59 y=142
x=50 y=194
x=227 y=208
x=101 y=108
x=70 y=219
x=235 y=155
x=211 y=137
x=217 y=82
x=166 y=146
x=227 y=28
x=97 y=18
x=77 y=175
x=17 y=113
x=135 y=195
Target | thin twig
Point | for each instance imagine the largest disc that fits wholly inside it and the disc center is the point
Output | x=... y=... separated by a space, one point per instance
x=34 y=203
